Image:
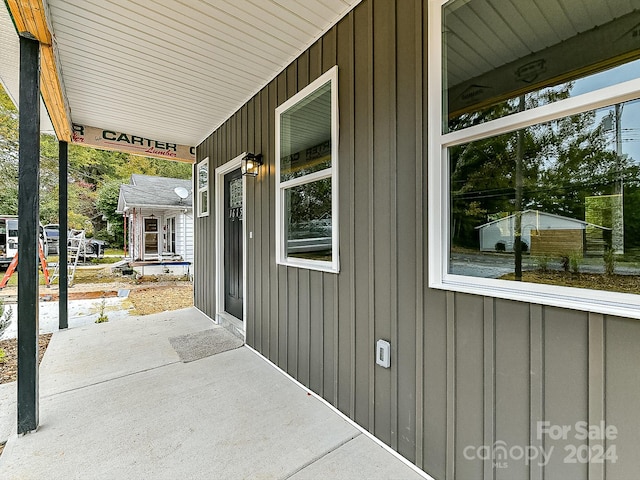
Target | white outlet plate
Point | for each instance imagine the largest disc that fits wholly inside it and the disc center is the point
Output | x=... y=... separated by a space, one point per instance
x=383 y=353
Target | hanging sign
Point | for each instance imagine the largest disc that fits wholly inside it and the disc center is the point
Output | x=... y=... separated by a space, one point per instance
x=128 y=143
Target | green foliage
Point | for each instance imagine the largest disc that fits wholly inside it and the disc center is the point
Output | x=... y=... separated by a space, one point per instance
x=575 y=258
x=8 y=155
x=543 y=263
x=107 y=203
x=90 y=171
x=102 y=317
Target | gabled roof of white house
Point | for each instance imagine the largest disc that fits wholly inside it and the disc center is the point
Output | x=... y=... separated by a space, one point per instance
x=154 y=192
x=582 y=223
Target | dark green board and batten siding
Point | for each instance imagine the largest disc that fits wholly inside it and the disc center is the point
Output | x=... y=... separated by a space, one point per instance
x=466 y=370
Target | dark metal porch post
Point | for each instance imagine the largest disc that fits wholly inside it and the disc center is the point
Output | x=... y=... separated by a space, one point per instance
x=63 y=281
x=28 y=233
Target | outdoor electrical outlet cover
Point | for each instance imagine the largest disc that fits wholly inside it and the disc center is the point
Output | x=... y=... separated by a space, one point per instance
x=383 y=353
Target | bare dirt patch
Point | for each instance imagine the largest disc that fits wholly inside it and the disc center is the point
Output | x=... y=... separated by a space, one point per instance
x=9 y=366
x=146 y=301
x=612 y=283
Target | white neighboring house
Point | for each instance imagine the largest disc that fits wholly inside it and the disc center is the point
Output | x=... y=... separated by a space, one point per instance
x=158 y=215
x=502 y=231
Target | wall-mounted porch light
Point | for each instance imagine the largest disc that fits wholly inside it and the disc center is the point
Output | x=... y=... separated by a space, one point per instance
x=251 y=164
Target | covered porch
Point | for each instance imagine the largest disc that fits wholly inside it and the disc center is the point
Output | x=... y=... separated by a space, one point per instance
x=127 y=77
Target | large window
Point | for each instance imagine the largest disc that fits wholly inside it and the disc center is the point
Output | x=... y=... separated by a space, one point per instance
x=306 y=177
x=203 y=187
x=535 y=157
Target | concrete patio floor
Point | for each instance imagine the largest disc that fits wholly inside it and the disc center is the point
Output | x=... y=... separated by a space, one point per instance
x=116 y=402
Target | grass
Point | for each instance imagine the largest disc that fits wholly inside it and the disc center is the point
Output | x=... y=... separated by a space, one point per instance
x=82 y=276
x=105 y=260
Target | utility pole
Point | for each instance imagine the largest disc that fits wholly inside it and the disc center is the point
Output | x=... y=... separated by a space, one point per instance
x=617 y=204
x=517 y=237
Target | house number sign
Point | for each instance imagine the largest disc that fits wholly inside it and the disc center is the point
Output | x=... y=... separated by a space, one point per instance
x=235 y=199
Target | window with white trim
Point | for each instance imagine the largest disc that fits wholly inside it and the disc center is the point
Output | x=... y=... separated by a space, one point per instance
x=203 y=187
x=534 y=168
x=306 y=177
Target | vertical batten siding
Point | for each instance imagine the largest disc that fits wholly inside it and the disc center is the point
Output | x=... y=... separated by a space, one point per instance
x=407 y=205
x=566 y=383
x=420 y=168
x=346 y=324
x=467 y=370
x=469 y=392
x=253 y=292
x=536 y=388
x=512 y=414
x=384 y=219
x=336 y=381
x=362 y=234
x=622 y=387
x=317 y=360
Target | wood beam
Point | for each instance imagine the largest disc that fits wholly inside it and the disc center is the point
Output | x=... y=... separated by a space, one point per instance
x=30 y=19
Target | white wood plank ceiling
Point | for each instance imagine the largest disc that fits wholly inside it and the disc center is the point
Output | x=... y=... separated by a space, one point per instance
x=176 y=69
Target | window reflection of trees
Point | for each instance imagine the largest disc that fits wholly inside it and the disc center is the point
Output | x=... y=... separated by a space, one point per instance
x=309 y=219
x=564 y=163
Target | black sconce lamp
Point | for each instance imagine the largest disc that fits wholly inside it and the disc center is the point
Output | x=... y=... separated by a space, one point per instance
x=251 y=164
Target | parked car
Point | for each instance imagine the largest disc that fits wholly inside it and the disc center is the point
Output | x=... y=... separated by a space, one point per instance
x=52 y=232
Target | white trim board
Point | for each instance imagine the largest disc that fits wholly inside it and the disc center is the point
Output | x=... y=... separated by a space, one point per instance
x=221 y=316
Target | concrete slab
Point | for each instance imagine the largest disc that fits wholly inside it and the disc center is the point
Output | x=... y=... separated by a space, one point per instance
x=116 y=403
x=8 y=410
x=100 y=352
x=359 y=458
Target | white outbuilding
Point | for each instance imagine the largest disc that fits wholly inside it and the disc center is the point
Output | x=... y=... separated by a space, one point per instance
x=559 y=233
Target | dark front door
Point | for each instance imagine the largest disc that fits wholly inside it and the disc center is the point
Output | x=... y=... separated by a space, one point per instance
x=233 y=243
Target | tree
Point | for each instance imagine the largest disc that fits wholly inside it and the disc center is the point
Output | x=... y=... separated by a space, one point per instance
x=8 y=155
x=107 y=203
x=563 y=162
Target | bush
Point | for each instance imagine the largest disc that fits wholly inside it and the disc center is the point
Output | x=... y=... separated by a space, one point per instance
x=543 y=263
x=574 y=260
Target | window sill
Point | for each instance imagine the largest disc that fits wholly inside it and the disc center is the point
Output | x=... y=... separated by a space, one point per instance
x=585 y=300
x=327 y=267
